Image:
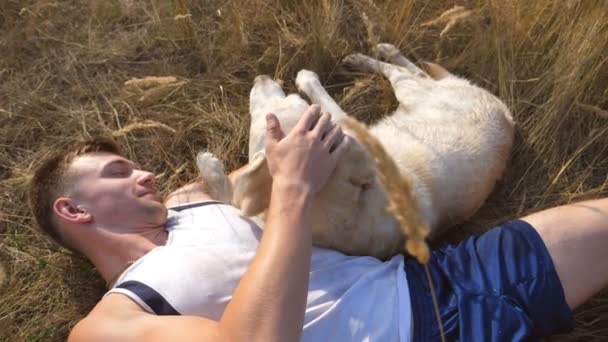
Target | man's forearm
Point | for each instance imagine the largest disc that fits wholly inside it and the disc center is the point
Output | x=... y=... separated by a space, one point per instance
x=270 y=300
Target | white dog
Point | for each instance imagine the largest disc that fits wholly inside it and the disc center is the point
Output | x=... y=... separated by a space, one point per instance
x=450 y=139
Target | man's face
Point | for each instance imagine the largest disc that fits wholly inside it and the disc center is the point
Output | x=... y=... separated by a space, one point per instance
x=116 y=192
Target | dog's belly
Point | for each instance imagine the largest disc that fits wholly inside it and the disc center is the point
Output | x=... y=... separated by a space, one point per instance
x=459 y=158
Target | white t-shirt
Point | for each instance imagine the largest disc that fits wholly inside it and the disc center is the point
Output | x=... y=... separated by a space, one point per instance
x=208 y=250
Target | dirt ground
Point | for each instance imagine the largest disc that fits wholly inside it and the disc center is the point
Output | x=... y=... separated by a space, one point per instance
x=64 y=64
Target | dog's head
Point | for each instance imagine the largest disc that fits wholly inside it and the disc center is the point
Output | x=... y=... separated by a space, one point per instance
x=348 y=212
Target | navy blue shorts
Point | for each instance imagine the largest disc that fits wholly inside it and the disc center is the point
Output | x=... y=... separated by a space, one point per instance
x=500 y=286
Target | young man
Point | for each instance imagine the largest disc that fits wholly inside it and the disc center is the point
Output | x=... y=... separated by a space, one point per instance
x=199 y=271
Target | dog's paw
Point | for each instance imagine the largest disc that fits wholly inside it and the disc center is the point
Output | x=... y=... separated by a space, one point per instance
x=212 y=172
x=354 y=59
x=306 y=80
x=359 y=62
x=209 y=165
x=387 y=51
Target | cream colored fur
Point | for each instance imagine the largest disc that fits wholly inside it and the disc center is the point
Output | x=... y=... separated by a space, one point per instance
x=214 y=176
x=450 y=139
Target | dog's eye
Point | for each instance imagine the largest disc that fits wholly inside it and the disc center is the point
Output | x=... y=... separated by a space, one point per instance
x=363 y=183
x=368 y=185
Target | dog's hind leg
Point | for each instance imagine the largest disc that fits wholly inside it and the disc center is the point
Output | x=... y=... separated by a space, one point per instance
x=390 y=53
x=409 y=85
x=394 y=73
x=308 y=83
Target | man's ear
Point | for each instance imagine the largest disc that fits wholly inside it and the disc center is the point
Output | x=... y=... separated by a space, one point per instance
x=66 y=209
x=251 y=186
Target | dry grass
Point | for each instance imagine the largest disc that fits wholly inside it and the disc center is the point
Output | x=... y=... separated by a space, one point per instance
x=64 y=64
x=403 y=204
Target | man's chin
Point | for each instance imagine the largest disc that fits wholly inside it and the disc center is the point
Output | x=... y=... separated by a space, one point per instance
x=158 y=211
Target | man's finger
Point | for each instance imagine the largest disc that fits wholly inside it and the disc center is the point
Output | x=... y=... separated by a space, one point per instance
x=310 y=116
x=273 y=128
x=341 y=148
x=333 y=138
x=323 y=125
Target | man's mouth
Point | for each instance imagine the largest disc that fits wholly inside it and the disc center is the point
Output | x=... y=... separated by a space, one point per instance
x=152 y=194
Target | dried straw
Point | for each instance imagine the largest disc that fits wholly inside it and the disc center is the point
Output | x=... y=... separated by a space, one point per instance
x=183 y=20
x=450 y=17
x=155 y=94
x=150 y=81
x=2 y=275
x=540 y=57
x=402 y=202
x=593 y=109
x=146 y=124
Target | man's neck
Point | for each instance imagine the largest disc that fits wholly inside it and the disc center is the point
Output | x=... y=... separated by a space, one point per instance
x=116 y=252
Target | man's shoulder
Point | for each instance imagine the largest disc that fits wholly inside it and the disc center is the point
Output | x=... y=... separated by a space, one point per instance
x=117 y=318
x=107 y=319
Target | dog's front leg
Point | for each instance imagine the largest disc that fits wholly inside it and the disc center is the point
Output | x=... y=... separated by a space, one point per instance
x=263 y=99
x=252 y=183
x=212 y=173
x=308 y=83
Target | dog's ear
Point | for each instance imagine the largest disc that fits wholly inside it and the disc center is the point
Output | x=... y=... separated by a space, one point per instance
x=251 y=186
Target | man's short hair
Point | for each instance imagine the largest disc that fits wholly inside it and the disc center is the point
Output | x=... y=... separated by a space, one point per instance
x=51 y=178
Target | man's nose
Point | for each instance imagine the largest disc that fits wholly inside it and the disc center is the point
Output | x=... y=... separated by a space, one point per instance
x=146 y=178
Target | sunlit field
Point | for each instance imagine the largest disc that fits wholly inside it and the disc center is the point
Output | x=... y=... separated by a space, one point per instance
x=64 y=64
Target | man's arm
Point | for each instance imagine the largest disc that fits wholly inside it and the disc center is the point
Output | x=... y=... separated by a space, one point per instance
x=279 y=280
x=300 y=165
x=270 y=299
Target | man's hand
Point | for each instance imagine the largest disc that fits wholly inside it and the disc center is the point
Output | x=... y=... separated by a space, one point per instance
x=308 y=154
